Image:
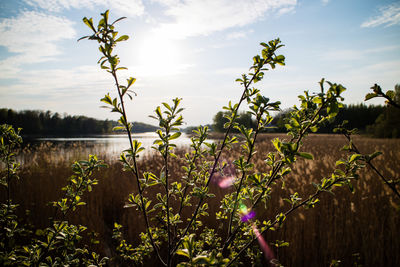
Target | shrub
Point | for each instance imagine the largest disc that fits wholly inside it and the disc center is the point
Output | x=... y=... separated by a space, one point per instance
x=61 y=243
x=173 y=208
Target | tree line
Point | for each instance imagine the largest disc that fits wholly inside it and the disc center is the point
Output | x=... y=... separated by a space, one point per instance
x=45 y=123
x=376 y=120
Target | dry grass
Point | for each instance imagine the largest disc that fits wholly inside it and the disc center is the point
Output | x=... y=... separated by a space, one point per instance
x=366 y=222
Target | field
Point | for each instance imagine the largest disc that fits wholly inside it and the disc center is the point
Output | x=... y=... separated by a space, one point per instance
x=360 y=228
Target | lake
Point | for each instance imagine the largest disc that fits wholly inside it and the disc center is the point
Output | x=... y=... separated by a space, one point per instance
x=108 y=147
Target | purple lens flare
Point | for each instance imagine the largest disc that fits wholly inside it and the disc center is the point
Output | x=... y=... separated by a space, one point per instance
x=248 y=216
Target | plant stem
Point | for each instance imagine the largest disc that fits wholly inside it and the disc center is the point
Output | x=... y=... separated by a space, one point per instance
x=293 y=208
x=275 y=171
x=391 y=186
x=243 y=175
x=167 y=204
x=8 y=180
x=194 y=216
x=135 y=168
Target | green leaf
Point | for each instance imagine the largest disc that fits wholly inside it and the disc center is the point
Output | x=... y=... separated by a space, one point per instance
x=107 y=99
x=130 y=81
x=106 y=15
x=147 y=205
x=175 y=135
x=201 y=260
x=280 y=60
x=89 y=23
x=369 y=96
x=118 y=128
x=167 y=106
x=390 y=94
x=355 y=157
x=183 y=252
x=122 y=38
x=121 y=18
x=374 y=155
x=333 y=109
x=305 y=155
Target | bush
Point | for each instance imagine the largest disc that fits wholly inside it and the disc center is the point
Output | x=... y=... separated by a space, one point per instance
x=173 y=208
x=61 y=243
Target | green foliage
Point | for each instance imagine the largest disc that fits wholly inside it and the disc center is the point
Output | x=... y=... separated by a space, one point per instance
x=45 y=123
x=220 y=120
x=387 y=122
x=174 y=209
x=358 y=116
x=365 y=158
x=392 y=96
x=61 y=243
x=387 y=125
x=176 y=238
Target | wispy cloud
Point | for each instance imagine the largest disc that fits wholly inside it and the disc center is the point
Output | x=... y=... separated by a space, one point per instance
x=81 y=80
x=74 y=90
x=389 y=16
x=166 y=2
x=194 y=18
x=238 y=35
x=352 y=54
x=131 y=7
x=32 y=36
x=325 y=2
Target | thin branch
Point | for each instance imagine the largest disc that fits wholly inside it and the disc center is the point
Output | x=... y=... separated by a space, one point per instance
x=217 y=158
x=293 y=208
x=243 y=175
x=273 y=176
x=391 y=186
x=135 y=168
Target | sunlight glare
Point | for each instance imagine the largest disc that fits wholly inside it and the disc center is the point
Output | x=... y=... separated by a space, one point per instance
x=160 y=55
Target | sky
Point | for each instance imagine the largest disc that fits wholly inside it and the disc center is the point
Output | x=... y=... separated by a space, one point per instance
x=193 y=49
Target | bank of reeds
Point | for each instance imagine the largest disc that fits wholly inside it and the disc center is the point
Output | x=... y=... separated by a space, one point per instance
x=362 y=227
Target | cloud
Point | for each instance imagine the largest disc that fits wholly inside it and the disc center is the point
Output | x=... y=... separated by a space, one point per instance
x=31 y=29
x=352 y=54
x=389 y=16
x=126 y=7
x=80 y=80
x=325 y=2
x=238 y=34
x=194 y=18
x=166 y=2
x=32 y=36
x=74 y=90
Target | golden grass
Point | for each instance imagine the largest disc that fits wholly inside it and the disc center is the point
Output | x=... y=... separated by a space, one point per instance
x=341 y=225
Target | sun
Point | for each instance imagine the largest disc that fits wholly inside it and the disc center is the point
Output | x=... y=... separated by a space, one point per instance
x=160 y=55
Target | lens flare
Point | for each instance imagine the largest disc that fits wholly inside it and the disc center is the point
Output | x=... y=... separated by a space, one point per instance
x=225 y=182
x=225 y=176
x=245 y=213
x=248 y=216
x=268 y=253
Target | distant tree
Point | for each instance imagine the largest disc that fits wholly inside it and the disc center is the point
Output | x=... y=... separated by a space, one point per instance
x=279 y=121
x=220 y=120
x=359 y=116
x=35 y=122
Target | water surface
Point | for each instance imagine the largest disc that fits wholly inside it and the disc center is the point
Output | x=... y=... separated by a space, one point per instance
x=108 y=147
